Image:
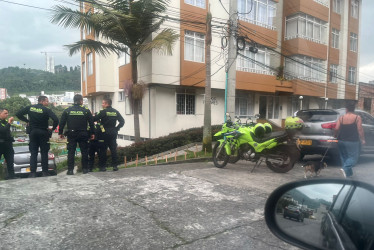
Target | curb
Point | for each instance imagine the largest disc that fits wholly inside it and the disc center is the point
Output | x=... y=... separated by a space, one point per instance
x=201 y=159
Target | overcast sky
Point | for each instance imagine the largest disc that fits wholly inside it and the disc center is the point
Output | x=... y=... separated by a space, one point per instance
x=25 y=32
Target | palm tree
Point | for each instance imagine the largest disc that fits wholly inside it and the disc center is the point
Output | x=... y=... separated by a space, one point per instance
x=123 y=26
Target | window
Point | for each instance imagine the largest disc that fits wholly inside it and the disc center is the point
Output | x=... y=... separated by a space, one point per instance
x=259 y=12
x=353 y=42
x=121 y=96
x=306 y=68
x=335 y=39
x=123 y=59
x=333 y=73
x=338 y=203
x=367 y=104
x=352 y=75
x=336 y=6
x=194 y=46
x=272 y=107
x=354 y=8
x=185 y=104
x=244 y=105
x=358 y=221
x=129 y=106
x=84 y=71
x=255 y=62
x=307 y=27
x=89 y=64
x=197 y=3
x=323 y=2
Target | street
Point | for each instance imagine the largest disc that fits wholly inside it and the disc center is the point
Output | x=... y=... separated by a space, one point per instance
x=184 y=206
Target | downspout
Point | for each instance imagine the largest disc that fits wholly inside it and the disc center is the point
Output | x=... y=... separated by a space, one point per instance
x=227 y=80
x=328 y=53
x=149 y=112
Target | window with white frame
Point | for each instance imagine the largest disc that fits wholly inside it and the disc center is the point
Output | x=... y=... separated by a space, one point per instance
x=123 y=58
x=307 y=27
x=255 y=62
x=352 y=75
x=333 y=73
x=185 y=104
x=194 y=46
x=335 y=38
x=129 y=106
x=323 y=2
x=336 y=6
x=306 y=68
x=121 y=96
x=84 y=71
x=272 y=107
x=354 y=8
x=89 y=64
x=244 y=105
x=353 y=42
x=258 y=12
x=197 y=3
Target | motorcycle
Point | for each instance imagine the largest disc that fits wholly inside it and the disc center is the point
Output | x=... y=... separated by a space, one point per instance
x=251 y=143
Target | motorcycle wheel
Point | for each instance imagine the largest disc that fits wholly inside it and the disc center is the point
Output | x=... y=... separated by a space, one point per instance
x=220 y=159
x=285 y=161
x=234 y=159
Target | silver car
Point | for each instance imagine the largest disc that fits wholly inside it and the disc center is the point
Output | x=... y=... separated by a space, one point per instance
x=318 y=132
x=22 y=162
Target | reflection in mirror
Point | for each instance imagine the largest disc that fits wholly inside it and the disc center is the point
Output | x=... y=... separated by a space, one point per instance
x=302 y=213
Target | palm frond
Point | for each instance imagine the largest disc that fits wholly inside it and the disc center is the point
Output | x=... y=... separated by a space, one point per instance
x=101 y=48
x=163 y=42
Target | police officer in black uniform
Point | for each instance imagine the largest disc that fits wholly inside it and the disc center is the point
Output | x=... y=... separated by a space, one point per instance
x=108 y=117
x=78 y=119
x=6 y=147
x=97 y=146
x=39 y=115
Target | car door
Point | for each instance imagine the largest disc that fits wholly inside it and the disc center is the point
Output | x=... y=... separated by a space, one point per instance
x=368 y=126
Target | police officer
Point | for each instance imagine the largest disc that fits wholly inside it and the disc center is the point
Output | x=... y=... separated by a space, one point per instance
x=78 y=119
x=39 y=115
x=6 y=147
x=97 y=146
x=108 y=117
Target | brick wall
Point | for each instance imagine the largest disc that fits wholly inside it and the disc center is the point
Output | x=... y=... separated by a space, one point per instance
x=366 y=90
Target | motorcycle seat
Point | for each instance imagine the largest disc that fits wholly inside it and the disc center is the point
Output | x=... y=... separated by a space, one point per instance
x=281 y=135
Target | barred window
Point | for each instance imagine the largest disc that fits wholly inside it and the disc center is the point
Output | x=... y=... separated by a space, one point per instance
x=336 y=5
x=353 y=42
x=333 y=73
x=352 y=75
x=335 y=39
x=185 y=104
x=306 y=68
x=255 y=62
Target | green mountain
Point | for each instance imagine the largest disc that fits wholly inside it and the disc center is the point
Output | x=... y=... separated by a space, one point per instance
x=31 y=81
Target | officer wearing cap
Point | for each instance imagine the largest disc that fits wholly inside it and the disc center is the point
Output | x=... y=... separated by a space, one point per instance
x=108 y=117
x=77 y=118
x=39 y=115
x=6 y=147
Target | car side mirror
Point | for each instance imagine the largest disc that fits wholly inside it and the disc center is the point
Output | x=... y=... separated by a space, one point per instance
x=308 y=214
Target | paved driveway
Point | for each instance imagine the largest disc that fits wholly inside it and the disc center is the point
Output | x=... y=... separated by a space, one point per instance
x=186 y=206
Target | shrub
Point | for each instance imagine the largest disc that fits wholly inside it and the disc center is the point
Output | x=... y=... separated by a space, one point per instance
x=164 y=143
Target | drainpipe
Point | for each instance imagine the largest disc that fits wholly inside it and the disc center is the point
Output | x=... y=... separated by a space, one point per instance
x=227 y=80
x=149 y=112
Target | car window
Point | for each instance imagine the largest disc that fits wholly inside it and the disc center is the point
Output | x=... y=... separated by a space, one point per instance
x=340 y=200
x=317 y=115
x=366 y=118
x=358 y=220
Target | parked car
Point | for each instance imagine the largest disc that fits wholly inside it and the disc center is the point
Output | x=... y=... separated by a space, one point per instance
x=293 y=212
x=22 y=162
x=318 y=132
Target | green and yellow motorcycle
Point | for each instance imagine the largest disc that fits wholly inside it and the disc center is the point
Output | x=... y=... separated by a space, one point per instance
x=257 y=143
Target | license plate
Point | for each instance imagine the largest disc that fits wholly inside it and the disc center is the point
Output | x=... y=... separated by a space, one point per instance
x=306 y=142
x=25 y=170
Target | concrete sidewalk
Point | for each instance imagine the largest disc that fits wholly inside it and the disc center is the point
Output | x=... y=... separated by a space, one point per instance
x=184 y=206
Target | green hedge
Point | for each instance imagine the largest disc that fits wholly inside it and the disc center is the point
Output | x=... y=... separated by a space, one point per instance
x=165 y=143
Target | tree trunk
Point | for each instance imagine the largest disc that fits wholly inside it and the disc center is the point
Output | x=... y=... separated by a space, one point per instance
x=207 y=131
x=135 y=105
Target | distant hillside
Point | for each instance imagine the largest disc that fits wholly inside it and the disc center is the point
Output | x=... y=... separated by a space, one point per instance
x=304 y=199
x=31 y=81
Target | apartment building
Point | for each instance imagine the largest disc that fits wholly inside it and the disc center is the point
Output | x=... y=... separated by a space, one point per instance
x=307 y=56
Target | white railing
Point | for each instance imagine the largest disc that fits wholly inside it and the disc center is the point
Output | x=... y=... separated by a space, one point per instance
x=323 y=2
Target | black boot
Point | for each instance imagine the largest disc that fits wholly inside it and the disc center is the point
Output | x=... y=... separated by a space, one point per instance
x=32 y=175
x=11 y=177
x=70 y=172
x=85 y=171
x=102 y=169
x=90 y=170
x=45 y=174
x=115 y=168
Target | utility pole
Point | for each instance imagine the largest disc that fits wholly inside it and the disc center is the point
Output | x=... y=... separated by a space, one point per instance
x=231 y=64
x=207 y=131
